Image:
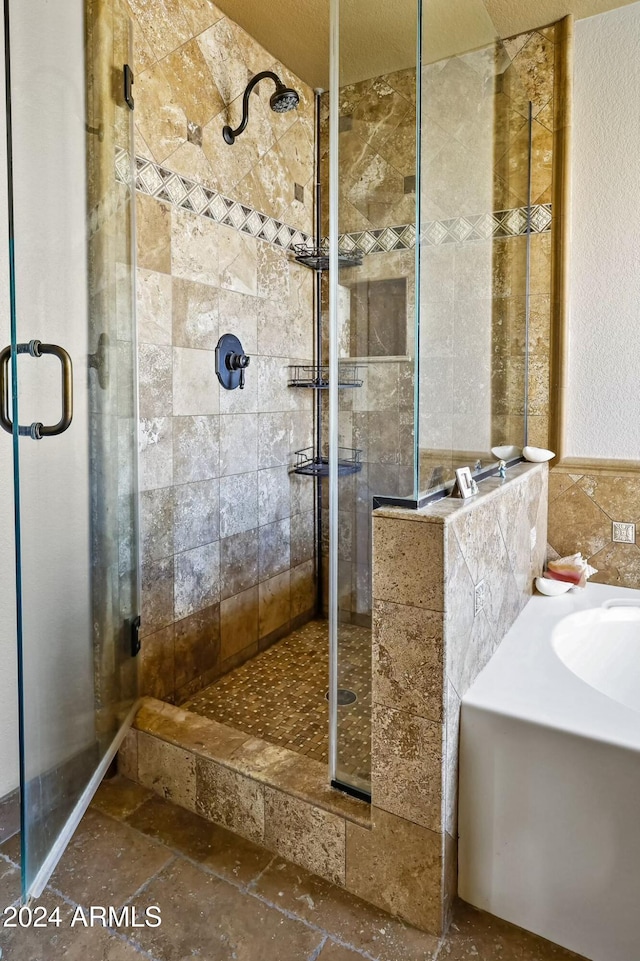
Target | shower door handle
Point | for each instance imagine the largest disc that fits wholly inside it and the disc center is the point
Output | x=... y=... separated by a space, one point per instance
x=37 y=430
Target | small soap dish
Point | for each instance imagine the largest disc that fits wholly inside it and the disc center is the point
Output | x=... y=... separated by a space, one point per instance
x=551 y=587
x=537 y=455
x=506 y=452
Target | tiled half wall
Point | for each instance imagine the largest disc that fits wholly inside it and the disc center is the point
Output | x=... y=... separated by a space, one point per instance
x=227 y=532
x=448 y=583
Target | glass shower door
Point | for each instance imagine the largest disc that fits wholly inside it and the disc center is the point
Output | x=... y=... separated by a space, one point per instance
x=68 y=399
x=373 y=316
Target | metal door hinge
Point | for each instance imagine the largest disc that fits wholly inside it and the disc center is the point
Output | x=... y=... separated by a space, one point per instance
x=135 y=636
x=128 y=84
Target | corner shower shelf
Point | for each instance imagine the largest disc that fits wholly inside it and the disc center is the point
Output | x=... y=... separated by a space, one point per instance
x=309 y=464
x=316 y=376
x=317 y=258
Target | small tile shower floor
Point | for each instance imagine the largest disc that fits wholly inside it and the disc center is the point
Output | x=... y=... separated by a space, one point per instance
x=279 y=696
x=221 y=899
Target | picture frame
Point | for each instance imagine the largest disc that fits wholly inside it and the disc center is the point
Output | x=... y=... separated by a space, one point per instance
x=464 y=483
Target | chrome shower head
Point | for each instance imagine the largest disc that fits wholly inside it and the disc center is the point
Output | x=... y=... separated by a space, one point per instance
x=282 y=100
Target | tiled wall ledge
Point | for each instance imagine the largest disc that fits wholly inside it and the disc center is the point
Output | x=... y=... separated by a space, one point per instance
x=448 y=582
x=256 y=789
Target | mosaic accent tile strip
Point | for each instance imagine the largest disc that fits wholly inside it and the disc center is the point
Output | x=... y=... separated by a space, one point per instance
x=501 y=224
x=172 y=188
x=163 y=184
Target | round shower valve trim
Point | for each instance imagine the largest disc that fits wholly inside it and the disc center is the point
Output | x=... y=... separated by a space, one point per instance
x=231 y=362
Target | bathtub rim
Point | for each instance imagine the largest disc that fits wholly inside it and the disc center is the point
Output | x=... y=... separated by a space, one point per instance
x=526 y=679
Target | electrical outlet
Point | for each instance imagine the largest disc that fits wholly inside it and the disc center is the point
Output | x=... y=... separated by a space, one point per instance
x=479 y=596
x=624 y=533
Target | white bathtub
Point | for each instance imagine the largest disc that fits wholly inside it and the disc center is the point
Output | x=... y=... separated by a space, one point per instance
x=549 y=817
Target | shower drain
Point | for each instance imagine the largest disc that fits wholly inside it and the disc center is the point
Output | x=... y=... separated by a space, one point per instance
x=344 y=696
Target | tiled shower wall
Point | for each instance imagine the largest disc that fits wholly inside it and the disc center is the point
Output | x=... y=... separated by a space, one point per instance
x=227 y=531
x=377 y=148
x=475 y=178
x=531 y=76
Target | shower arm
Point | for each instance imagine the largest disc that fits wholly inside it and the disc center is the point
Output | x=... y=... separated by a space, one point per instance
x=229 y=134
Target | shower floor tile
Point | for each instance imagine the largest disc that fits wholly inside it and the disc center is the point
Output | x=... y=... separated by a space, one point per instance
x=280 y=696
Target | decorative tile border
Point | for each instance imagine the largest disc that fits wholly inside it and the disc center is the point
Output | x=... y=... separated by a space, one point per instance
x=172 y=188
x=501 y=224
x=163 y=184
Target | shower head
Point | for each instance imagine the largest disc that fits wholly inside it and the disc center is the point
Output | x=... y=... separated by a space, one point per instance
x=282 y=100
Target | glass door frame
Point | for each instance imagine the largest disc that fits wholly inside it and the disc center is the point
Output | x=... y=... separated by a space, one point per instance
x=36 y=871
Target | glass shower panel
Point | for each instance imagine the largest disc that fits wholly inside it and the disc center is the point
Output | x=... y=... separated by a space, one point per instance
x=474 y=246
x=373 y=116
x=72 y=290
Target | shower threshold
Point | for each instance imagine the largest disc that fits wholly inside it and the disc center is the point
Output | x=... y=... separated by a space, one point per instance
x=250 y=751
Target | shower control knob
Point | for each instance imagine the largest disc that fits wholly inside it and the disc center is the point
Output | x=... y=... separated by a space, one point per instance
x=238 y=362
x=231 y=362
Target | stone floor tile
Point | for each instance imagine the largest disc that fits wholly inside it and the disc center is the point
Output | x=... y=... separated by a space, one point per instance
x=336 y=952
x=482 y=937
x=106 y=862
x=119 y=797
x=53 y=943
x=351 y=920
x=203 y=916
x=221 y=851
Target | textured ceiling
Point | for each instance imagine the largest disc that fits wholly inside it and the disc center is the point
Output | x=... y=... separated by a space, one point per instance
x=378 y=36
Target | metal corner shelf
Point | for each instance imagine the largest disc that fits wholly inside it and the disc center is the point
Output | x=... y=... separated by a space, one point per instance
x=317 y=258
x=310 y=465
x=316 y=376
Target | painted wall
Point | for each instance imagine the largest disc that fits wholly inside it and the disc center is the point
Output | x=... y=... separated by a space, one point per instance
x=603 y=405
x=603 y=422
x=8 y=667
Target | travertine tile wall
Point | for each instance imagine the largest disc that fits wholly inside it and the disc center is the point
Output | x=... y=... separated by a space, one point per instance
x=376 y=190
x=584 y=510
x=473 y=292
x=111 y=281
x=448 y=582
x=530 y=77
x=227 y=532
x=456 y=180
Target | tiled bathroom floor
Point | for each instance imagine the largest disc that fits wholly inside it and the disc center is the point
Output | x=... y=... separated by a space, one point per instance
x=279 y=696
x=221 y=899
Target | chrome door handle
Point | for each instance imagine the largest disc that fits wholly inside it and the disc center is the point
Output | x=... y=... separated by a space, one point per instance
x=37 y=430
